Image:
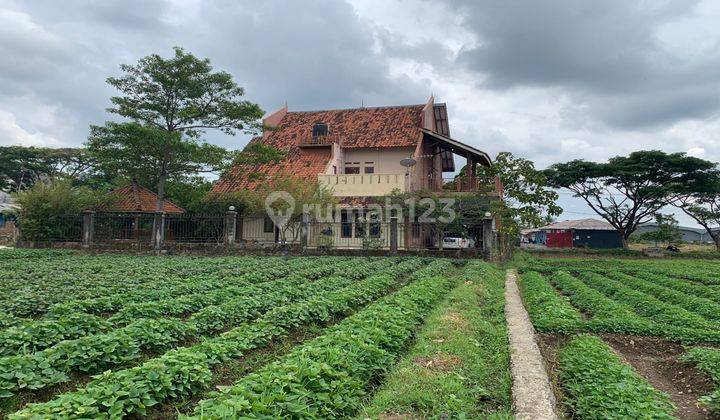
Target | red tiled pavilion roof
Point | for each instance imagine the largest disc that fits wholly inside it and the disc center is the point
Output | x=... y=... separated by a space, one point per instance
x=135 y=198
x=384 y=127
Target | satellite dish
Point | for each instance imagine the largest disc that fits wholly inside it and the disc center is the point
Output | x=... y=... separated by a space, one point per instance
x=408 y=162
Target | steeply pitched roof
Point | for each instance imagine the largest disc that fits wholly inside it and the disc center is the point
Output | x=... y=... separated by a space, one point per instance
x=135 y=198
x=582 y=224
x=384 y=127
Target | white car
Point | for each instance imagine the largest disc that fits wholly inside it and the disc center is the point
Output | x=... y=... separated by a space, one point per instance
x=457 y=243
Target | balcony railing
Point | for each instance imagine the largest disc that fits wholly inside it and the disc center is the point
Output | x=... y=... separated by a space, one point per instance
x=321 y=141
x=363 y=185
x=491 y=187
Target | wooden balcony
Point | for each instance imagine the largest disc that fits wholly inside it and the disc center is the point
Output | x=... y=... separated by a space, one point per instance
x=472 y=185
x=320 y=141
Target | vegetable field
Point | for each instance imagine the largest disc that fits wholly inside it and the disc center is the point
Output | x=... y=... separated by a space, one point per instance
x=629 y=338
x=261 y=337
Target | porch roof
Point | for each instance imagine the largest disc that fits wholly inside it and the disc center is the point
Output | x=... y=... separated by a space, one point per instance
x=456 y=147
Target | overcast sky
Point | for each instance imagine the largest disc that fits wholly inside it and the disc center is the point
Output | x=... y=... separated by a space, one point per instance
x=548 y=80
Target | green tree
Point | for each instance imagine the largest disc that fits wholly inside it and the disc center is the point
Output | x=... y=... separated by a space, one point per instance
x=704 y=207
x=49 y=210
x=667 y=230
x=21 y=167
x=171 y=102
x=628 y=190
x=527 y=200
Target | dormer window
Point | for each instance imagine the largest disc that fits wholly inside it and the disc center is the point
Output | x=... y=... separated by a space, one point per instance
x=320 y=129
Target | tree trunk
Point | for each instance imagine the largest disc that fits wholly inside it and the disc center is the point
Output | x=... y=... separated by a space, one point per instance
x=161 y=193
x=624 y=239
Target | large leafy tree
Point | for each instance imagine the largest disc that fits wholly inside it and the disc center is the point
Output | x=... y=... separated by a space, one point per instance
x=527 y=200
x=627 y=191
x=170 y=103
x=703 y=205
x=21 y=167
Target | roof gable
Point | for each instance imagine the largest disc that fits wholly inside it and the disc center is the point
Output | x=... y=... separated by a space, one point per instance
x=393 y=126
x=135 y=198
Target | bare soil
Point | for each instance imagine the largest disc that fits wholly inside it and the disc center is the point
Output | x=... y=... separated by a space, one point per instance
x=658 y=361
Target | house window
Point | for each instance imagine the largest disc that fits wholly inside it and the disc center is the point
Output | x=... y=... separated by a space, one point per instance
x=320 y=129
x=369 y=169
x=359 y=225
x=352 y=170
x=334 y=170
x=345 y=224
x=268 y=225
x=2 y=221
x=374 y=225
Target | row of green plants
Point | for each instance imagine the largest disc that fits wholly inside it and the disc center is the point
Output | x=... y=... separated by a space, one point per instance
x=249 y=274
x=549 y=313
x=597 y=385
x=191 y=303
x=328 y=377
x=708 y=360
x=188 y=371
x=33 y=335
x=32 y=285
x=700 y=306
x=95 y=353
x=688 y=287
x=548 y=310
x=459 y=365
x=646 y=305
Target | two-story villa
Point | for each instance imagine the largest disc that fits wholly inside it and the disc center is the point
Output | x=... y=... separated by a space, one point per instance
x=360 y=153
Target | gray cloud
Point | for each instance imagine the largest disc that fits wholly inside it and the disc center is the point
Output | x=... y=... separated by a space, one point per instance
x=609 y=54
x=317 y=54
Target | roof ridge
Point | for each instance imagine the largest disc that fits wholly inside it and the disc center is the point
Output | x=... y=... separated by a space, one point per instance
x=355 y=109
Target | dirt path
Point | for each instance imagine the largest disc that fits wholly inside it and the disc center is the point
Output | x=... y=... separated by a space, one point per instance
x=657 y=360
x=532 y=395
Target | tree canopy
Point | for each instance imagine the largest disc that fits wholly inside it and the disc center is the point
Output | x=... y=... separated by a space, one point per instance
x=170 y=102
x=527 y=201
x=21 y=167
x=629 y=190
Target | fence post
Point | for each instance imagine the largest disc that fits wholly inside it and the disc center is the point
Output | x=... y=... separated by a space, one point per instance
x=393 y=235
x=158 y=235
x=487 y=235
x=304 y=231
x=88 y=228
x=230 y=226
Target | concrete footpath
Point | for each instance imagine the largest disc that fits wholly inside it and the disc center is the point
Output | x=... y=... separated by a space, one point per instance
x=532 y=395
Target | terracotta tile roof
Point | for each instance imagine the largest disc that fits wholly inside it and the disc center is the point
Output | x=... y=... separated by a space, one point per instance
x=392 y=126
x=135 y=198
x=396 y=126
x=299 y=163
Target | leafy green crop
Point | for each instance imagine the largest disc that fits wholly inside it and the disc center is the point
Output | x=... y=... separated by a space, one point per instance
x=598 y=385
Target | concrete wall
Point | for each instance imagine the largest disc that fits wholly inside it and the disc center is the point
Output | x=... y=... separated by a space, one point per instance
x=385 y=161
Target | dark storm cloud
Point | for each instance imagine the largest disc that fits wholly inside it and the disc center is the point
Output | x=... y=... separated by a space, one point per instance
x=314 y=54
x=606 y=52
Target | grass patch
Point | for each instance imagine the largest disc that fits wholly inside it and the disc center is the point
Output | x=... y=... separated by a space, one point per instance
x=459 y=365
x=598 y=385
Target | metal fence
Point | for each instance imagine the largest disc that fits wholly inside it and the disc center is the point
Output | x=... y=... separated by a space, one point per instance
x=157 y=229
x=62 y=229
x=194 y=228
x=123 y=227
